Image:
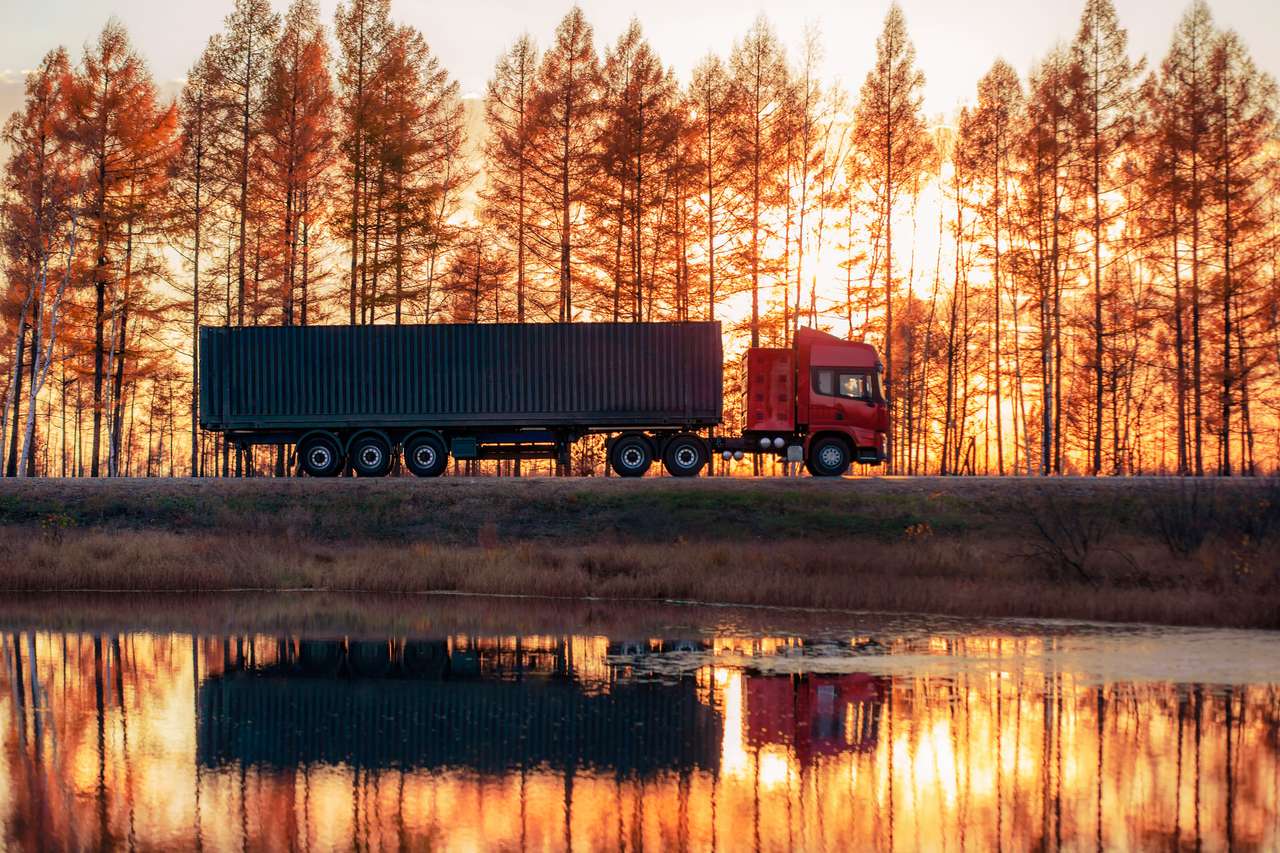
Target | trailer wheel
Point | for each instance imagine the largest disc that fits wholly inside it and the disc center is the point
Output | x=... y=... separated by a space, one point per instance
x=371 y=456
x=425 y=456
x=631 y=455
x=684 y=456
x=321 y=457
x=828 y=457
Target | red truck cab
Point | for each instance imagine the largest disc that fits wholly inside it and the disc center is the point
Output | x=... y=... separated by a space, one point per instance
x=819 y=402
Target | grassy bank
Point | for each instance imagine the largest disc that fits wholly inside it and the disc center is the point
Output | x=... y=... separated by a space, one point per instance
x=1119 y=550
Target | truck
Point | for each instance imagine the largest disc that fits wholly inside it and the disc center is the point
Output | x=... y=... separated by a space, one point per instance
x=359 y=399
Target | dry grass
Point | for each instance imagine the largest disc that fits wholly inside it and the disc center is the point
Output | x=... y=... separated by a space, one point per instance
x=1070 y=549
x=960 y=576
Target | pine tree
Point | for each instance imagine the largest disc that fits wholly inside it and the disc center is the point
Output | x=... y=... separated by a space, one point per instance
x=1242 y=138
x=1045 y=222
x=566 y=105
x=640 y=131
x=711 y=104
x=297 y=141
x=758 y=69
x=122 y=136
x=40 y=198
x=1104 y=104
x=1174 y=154
x=361 y=28
x=891 y=137
x=242 y=65
x=194 y=195
x=508 y=163
x=991 y=136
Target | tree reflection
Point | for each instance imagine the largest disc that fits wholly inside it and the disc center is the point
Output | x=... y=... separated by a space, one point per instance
x=551 y=742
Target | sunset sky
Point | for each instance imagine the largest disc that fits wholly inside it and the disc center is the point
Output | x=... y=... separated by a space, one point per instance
x=956 y=42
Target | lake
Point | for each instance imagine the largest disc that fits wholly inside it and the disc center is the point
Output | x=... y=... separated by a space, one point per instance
x=466 y=723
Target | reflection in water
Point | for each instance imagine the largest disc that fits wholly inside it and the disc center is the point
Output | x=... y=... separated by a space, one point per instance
x=546 y=742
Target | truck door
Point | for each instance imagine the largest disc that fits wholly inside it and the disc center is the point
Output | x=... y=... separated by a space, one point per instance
x=855 y=399
x=842 y=397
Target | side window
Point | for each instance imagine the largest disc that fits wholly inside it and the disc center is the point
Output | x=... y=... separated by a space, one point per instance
x=824 y=382
x=854 y=386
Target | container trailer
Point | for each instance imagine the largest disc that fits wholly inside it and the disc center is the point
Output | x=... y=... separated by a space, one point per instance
x=356 y=399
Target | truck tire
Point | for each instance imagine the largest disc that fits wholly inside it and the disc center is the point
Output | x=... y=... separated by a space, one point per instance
x=425 y=456
x=371 y=456
x=631 y=455
x=828 y=457
x=320 y=457
x=684 y=456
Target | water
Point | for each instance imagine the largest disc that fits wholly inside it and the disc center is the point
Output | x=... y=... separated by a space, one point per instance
x=470 y=724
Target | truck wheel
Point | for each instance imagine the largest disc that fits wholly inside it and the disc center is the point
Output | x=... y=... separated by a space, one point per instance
x=371 y=456
x=425 y=456
x=828 y=457
x=321 y=457
x=631 y=455
x=684 y=456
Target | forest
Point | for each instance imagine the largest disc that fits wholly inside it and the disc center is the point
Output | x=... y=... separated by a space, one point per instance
x=1078 y=272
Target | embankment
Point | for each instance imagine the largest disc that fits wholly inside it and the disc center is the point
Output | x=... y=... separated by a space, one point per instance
x=1143 y=550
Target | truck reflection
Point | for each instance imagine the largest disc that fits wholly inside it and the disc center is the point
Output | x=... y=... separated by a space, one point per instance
x=423 y=704
x=816 y=715
x=493 y=707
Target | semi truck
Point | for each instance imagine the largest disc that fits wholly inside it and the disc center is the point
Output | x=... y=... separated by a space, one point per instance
x=358 y=399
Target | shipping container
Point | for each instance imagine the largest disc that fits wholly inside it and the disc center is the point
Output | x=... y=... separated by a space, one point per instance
x=495 y=375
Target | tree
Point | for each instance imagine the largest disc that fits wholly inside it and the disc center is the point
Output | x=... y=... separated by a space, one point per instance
x=242 y=65
x=193 y=195
x=566 y=103
x=640 y=128
x=808 y=147
x=711 y=104
x=1179 y=105
x=420 y=134
x=1104 y=102
x=361 y=28
x=990 y=135
x=508 y=163
x=890 y=135
x=296 y=147
x=758 y=69
x=37 y=217
x=1043 y=219
x=122 y=135
x=1243 y=133
x=474 y=281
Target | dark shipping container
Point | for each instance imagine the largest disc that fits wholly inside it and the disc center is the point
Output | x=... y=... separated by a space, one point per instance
x=572 y=375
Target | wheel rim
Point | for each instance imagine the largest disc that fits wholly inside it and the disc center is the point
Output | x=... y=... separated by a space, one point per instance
x=631 y=457
x=371 y=457
x=320 y=458
x=831 y=457
x=424 y=456
x=686 y=457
